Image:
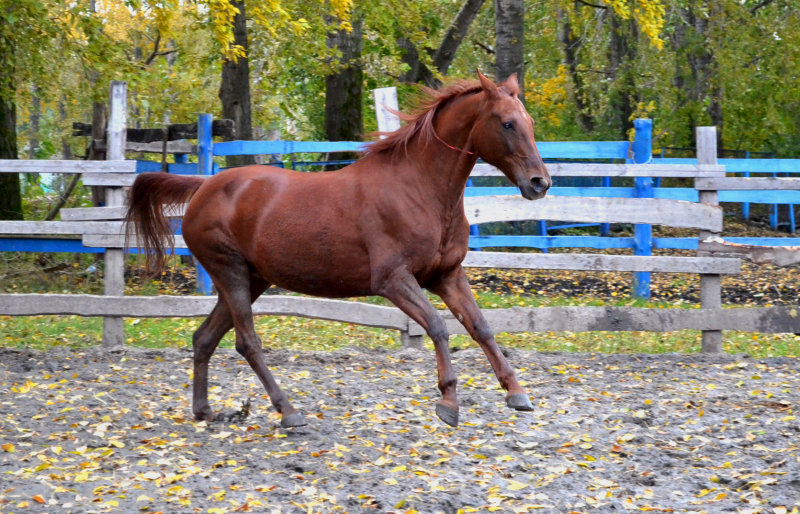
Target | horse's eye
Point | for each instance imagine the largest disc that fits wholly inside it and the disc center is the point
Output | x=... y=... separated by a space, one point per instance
x=508 y=125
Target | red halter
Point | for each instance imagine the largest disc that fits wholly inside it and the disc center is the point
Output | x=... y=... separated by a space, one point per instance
x=449 y=145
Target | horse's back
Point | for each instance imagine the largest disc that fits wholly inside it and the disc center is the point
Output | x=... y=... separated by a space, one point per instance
x=300 y=231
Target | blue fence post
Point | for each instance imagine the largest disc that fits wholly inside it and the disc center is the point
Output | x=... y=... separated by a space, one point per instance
x=642 y=234
x=205 y=166
x=605 y=228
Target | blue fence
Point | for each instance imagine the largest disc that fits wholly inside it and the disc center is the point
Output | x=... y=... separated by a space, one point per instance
x=642 y=241
x=758 y=168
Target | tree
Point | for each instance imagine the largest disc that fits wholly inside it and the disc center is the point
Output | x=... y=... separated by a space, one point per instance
x=510 y=40
x=443 y=56
x=18 y=41
x=10 y=195
x=344 y=88
x=234 y=89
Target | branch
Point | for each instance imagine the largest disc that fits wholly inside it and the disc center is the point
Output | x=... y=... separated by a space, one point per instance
x=63 y=197
x=455 y=34
x=156 y=43
x=488 y=49
x=596 y=6
x=759 y=5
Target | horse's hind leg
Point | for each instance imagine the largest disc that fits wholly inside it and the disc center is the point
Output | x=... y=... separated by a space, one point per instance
x=205 y=341
x=234 y=281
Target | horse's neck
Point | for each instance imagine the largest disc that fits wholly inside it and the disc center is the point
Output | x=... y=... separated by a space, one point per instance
x=447 y=159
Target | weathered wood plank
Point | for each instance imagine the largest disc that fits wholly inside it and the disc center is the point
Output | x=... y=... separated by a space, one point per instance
x=179 y=147
x=115 y=179
x=198 y=306
x=747 y=183
x=66 y=166
x=117 y=240
x=515 y=320
x=777 y=255
x=575 y=169
x=59 y=227
x=614 y=319
x=599 y=262
x=220 y=128
x=672 y=213
x=107 y=213
x=109 y=179
x=93 y=213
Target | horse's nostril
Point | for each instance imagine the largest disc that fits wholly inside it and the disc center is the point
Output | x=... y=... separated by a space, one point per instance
x=540 y=184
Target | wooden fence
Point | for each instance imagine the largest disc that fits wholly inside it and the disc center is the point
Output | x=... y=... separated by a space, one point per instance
x=102 y=228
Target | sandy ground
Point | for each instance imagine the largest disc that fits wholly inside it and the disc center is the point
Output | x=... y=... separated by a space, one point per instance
x=91 y=431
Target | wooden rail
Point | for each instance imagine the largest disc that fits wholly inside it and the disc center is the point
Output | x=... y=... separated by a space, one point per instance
x=101 y=227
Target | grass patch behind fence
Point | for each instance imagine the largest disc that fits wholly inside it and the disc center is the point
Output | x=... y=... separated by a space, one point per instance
x=82 y=274
x=287 y=332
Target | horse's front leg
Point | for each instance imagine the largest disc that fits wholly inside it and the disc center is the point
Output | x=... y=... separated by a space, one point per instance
x=401 y=288
x=455 y=291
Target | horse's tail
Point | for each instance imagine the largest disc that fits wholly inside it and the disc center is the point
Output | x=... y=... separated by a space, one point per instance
x=150 y=195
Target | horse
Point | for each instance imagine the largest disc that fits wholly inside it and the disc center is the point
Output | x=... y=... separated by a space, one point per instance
x=390 y=224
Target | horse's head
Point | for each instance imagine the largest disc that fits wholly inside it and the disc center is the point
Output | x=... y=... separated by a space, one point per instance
x=503 y=137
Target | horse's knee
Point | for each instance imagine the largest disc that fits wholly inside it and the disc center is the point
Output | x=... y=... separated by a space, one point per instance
x=202 y=346
x=437 y=330
x=245 y=347
x=483 y=332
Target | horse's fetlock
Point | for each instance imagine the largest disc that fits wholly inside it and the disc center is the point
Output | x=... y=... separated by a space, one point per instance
x=448 y=384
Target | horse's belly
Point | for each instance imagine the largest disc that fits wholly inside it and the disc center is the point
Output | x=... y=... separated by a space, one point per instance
x=316 y=274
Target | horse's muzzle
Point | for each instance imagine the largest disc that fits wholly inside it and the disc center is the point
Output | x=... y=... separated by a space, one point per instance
x=535 y=188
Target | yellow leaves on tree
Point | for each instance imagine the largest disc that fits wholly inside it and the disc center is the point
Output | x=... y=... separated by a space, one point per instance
x=649 y=15
x=549 y=98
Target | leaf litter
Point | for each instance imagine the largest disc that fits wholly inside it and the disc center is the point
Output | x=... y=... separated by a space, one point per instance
x=92 y=431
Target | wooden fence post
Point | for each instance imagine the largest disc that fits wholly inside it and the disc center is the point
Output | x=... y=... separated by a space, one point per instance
x=710 y=285
x=642 y=234
x=114 y=277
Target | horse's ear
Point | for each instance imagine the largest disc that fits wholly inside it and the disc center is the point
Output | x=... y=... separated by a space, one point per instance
x=512 y=84
x=489 y=87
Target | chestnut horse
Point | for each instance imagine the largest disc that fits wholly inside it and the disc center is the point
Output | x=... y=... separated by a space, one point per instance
x=390 y=224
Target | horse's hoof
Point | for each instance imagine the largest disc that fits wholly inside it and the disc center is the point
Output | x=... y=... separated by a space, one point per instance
x=208 y=416
x=295 y=419
x=447 y=414
x=519 y=401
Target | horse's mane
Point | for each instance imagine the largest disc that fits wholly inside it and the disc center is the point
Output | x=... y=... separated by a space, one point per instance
x=419 y=122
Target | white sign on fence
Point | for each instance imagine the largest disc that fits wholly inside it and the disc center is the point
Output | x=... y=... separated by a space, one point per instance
x=386 y=97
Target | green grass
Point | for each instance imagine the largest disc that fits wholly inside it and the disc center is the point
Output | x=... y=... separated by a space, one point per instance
x=43 y=332
x=68 y=274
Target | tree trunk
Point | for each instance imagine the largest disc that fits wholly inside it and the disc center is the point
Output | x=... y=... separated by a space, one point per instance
x=446 y=52
x=98 y=134
x=344 y=90
x=234 y=90
x=417 y=71
x=10 y=193
x=621 y=60
x=36 y=116
x=571 y=45
x=696 y=71
x=510 y=45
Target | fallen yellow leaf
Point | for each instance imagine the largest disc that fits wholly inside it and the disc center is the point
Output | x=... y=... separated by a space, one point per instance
x=516 y=486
